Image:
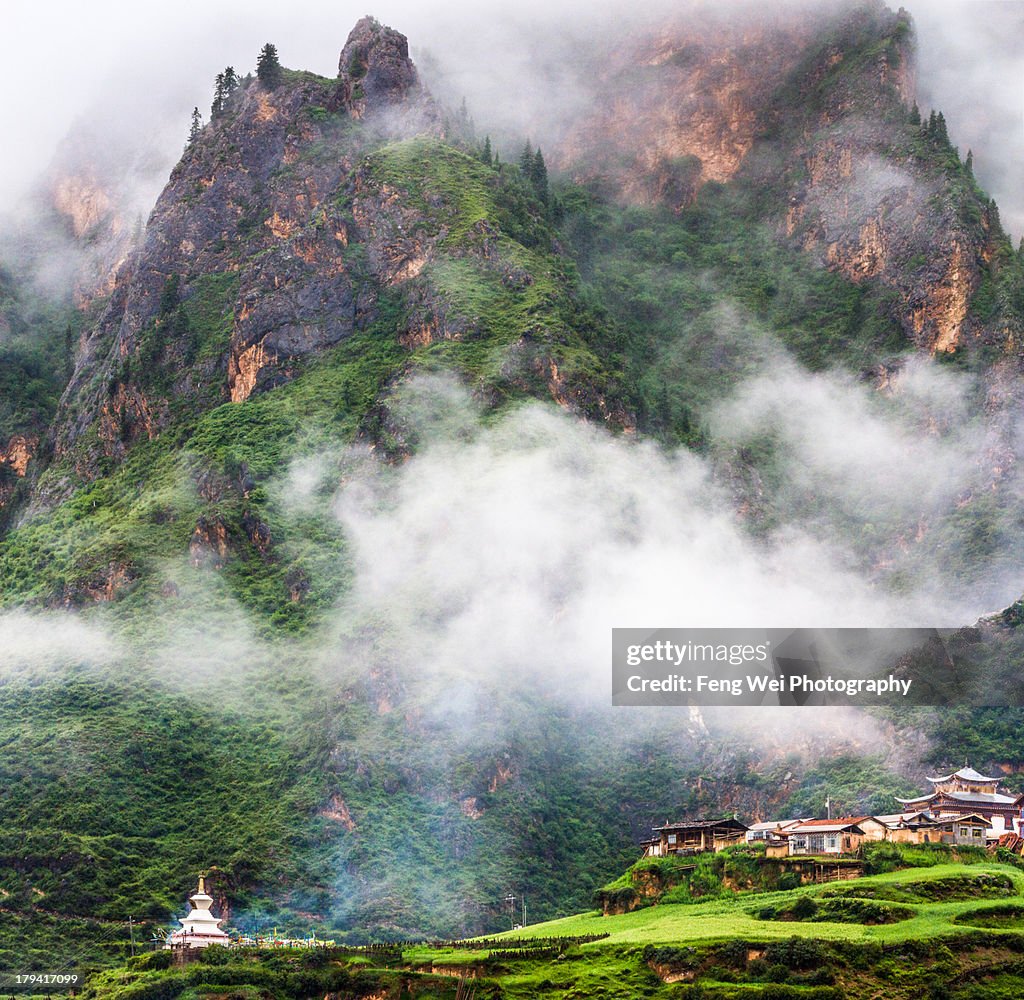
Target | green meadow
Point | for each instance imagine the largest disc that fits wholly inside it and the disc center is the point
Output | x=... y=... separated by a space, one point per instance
x=955 y=933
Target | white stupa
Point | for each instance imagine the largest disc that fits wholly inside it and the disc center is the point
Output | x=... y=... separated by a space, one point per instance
x=199 y=928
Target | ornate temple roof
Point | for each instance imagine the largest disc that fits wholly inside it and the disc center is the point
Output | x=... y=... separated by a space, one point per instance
x=977 y=798
x=965 y=774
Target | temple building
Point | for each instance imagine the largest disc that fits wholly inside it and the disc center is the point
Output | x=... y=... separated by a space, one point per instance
x=968 y=793
x=199 y=928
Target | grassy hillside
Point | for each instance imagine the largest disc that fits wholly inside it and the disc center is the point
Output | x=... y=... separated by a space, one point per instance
x=718 y=919
x=347 y=800
x=959 y=935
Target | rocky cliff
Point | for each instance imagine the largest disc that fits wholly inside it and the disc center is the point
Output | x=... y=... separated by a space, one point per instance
x=818 y=110
x=283 y=224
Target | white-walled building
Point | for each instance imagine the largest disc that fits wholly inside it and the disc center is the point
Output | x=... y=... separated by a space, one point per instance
x=199 y=927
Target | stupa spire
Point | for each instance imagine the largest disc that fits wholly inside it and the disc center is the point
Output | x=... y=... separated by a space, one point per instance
x=199 y=927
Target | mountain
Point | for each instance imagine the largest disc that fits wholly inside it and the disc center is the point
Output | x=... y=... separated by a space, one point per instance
x=205 y=671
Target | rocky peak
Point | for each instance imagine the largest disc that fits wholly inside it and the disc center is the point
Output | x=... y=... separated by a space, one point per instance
x=376 y=66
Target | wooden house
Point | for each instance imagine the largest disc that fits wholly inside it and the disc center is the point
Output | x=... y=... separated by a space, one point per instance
x=873 y=827
x=652 y=847
x=909 y=827
x=697 y=835
x=967 y=830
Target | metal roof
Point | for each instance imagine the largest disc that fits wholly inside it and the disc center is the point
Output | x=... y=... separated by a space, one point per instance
x=891 y=819
x=959 y=818
x=842 y=820
x=825 y=826
x=701 y=824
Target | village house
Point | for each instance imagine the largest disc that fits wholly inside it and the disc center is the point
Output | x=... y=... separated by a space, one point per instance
x=873 y=827
x=971 y=830
x=770 y=829
x=909 y=827
x=923 y=828
x=826 y=836
x=963 y=808
x=695 y=836
x=967 y=793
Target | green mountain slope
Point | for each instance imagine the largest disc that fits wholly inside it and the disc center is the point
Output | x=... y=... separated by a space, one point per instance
x=321 y=247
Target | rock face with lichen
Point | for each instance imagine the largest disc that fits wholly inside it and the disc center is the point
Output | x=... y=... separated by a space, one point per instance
x=378 y=74
x=253 y=209
x=808 y=120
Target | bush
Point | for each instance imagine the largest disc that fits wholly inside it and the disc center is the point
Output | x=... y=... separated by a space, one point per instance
x=882 y=856
x=795 y=953
x=804 y=908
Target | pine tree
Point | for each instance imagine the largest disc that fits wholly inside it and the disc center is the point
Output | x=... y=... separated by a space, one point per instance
x=995 y=223
x=268 y=68
x=224 y=86
x=218 y=97
x=485 y=153
x=915 y=115
x=941 y=135
x=526 y=161
x=969 y=163
x=195 y=128
x=539 y=176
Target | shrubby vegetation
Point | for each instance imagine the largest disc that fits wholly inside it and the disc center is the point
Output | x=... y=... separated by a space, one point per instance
x=646 y=312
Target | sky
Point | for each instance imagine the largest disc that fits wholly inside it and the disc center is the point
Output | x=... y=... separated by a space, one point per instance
x=140 y=68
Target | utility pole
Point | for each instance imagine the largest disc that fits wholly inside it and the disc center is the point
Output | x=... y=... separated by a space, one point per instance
x=524 y=909
x=511 y=900
x=131 y=931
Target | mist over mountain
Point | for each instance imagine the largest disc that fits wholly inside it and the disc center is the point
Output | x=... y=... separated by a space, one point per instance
x=324 y=480
x=525 y=68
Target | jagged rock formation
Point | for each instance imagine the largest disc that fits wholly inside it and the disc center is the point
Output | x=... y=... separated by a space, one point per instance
x=379 y=77
x=812 y=107
x=684 y=106
x=277 y=234
x=91 y=202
